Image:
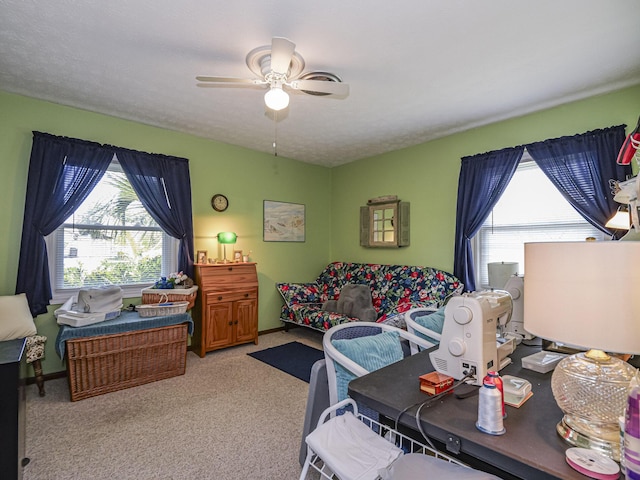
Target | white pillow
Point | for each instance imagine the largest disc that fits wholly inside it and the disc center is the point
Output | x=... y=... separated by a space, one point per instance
x=15 y=317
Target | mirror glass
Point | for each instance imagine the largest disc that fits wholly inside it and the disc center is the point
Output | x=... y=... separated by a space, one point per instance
x=382 y=224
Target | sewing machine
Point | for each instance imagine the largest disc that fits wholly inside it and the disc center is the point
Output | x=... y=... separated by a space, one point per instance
x=515 y=327
x=472 y=336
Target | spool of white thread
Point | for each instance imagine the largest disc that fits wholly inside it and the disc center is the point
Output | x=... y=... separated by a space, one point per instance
x=490 y=410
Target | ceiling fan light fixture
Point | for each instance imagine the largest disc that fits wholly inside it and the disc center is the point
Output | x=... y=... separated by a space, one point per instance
x=276 y=98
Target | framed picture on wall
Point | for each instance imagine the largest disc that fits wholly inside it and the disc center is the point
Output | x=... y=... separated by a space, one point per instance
x=283 y=222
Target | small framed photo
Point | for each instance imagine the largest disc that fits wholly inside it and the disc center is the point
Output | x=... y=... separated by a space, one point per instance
x=237 y=256
x=201 y=256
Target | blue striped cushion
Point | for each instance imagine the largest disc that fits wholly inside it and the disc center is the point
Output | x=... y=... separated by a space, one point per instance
x=371 y=353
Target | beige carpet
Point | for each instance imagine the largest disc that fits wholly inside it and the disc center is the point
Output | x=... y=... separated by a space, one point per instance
x=229 y=417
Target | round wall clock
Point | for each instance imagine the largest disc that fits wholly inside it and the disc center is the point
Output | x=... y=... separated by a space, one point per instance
x=219 y=202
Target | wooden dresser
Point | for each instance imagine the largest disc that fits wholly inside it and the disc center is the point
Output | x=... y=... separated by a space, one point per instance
x=226 y=310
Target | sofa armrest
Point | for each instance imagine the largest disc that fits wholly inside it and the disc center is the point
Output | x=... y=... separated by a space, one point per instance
x=299 y=293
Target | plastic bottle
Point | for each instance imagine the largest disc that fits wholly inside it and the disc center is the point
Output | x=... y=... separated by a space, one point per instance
x=621 y=422
x=632 y=432
x=497 y=380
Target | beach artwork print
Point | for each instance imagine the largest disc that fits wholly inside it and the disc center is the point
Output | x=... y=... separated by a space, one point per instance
x=283 y=222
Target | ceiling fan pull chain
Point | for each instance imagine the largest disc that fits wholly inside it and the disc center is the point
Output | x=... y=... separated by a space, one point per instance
x=275 y=134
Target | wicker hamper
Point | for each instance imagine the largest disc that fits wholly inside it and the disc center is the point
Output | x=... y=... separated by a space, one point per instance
x=156 y=295
x=97 y=365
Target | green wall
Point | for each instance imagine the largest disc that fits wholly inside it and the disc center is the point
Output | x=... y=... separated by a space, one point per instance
x=246 y=177
x=427 y=176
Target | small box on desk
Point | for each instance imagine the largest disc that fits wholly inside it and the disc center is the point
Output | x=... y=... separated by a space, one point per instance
x=542 y=362
x=433 y=383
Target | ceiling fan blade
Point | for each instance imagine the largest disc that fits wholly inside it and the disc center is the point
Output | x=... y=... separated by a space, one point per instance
x=281 y=52
x=321 y=86
x=253 y=81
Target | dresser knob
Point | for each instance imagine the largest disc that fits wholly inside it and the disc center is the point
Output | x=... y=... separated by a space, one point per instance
x=246 y=295
x=219 y=298
x=230 y=269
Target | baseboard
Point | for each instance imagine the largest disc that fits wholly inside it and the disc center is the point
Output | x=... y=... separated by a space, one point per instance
x=48 y=376
x=271 y=330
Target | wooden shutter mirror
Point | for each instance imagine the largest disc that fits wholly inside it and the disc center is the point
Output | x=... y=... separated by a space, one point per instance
x=384 y=222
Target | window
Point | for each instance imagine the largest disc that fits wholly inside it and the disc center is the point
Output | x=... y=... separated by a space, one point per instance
x=530 y=210
x=110 y=239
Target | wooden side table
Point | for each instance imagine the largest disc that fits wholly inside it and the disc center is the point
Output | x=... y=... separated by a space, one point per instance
x=226 y=311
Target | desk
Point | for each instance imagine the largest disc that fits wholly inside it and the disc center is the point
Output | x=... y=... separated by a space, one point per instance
x=12 y=409
x=530 y=449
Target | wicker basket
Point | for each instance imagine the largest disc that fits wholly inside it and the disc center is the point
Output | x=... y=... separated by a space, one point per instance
x=162 y=309
x=97 y=365
x=156 y=295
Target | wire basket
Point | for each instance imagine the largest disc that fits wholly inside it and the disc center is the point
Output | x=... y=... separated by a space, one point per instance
x=407 y=444
x=163 y=308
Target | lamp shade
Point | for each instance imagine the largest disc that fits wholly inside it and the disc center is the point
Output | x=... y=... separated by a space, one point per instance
x=227 y=238
x=584 y=293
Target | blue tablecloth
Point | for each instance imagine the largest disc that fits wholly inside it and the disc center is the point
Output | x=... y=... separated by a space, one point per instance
x=126 y=322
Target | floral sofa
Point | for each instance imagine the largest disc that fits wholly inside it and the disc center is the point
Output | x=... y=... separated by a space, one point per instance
x=395 y=289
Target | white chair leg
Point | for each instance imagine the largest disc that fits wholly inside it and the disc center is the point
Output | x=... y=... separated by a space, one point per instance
x=307 y=462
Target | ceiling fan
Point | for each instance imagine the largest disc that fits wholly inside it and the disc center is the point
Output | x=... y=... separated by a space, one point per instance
x=278 y=66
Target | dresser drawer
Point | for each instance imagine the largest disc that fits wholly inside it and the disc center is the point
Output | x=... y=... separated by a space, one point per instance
x=230 y=296
x=219 y=276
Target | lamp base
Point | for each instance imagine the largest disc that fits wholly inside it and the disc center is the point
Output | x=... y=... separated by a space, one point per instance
x=591 y=390
x=579 y=433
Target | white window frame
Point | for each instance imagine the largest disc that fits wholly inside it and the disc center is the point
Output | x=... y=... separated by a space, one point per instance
x=55 y=250
x=476 y=243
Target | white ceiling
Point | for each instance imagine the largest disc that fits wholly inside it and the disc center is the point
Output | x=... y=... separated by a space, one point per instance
x=417 y=69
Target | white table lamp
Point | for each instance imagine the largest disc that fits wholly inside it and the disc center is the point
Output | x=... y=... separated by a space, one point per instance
x=587 y=294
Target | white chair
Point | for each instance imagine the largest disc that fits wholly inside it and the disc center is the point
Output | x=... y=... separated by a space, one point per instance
x=364 y=352
x=419 y=329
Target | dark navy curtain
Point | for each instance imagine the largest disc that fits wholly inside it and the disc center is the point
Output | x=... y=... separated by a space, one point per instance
x=62 y=173
x=580 y=166
x=483 y=179
x=164 y=187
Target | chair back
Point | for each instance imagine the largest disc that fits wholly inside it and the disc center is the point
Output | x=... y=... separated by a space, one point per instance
x=420 y=329
x=341 y=368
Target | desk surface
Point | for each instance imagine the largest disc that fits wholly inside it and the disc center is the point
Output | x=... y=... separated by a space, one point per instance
x=11 y=350
x=530 y=449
